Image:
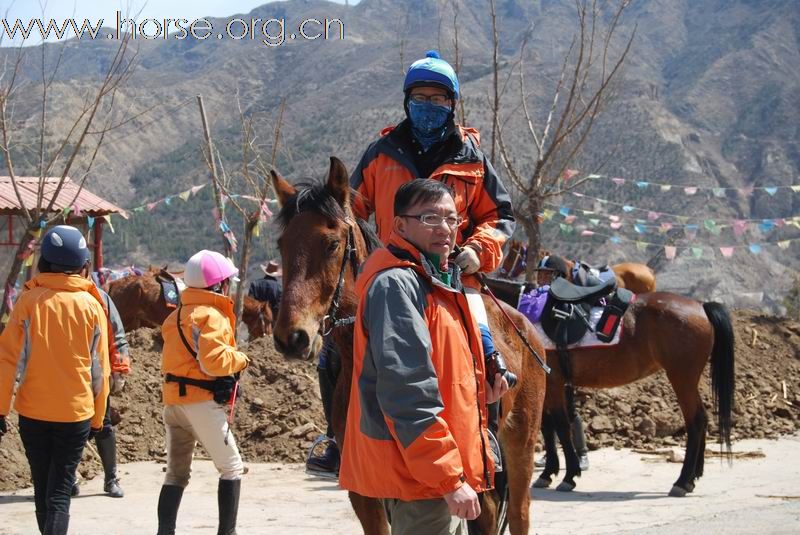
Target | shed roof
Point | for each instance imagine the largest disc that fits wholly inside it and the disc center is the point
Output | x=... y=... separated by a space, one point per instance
x=86 y=201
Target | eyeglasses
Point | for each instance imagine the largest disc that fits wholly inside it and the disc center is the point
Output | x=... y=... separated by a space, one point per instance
x=434 y=220
x=437 y=100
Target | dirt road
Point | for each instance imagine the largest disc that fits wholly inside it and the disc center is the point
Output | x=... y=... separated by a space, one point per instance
x=623 y=492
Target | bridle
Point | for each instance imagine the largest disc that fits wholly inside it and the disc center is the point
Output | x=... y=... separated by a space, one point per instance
x=329 y=321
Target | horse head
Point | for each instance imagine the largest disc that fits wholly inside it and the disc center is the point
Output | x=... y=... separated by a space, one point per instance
x=257 y=316
x=320 y=248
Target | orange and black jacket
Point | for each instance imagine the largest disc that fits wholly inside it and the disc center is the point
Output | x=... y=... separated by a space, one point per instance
x=417 y=413
x=481 y=199
x=207 y=322
x=56 y=344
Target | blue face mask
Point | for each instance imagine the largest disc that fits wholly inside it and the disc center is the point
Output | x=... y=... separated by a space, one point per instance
x=428 y=122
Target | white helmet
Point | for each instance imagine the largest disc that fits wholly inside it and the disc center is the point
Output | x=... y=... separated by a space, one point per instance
x=207 y=268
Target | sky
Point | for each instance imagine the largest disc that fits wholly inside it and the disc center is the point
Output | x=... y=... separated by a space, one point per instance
x=106 y=9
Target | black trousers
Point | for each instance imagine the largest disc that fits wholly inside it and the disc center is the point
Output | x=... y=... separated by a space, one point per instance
x=54 y=450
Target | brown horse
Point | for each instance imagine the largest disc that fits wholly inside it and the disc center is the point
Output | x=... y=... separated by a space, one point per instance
x=662 y=331
x=141 y=303
x=637 y=278
x=317 y=219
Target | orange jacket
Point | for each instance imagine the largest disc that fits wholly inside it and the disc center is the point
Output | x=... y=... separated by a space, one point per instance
x=481 y=199
x=207 y=320
x=417 y=413
x=56 y=342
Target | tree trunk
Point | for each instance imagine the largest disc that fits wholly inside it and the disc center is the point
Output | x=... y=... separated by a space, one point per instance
x=533 y=232
x=16 y=268
x=244 y=260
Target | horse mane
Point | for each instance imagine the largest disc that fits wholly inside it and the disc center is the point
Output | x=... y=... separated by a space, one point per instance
x=317 y=197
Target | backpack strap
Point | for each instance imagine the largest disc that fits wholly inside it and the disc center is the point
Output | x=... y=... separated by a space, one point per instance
x=183 y=337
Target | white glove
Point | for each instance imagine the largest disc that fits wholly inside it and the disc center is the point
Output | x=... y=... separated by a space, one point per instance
x=468 y=260
x=117 y=382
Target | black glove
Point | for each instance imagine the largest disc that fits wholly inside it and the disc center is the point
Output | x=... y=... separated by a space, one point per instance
x=3 y=426
x=494 y=365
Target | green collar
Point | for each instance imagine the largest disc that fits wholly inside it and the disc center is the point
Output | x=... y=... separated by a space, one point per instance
x=435 y=260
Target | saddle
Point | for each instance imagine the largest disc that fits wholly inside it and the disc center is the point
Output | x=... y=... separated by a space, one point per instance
x=591 y=275
x=566 y=315
x=171 y=288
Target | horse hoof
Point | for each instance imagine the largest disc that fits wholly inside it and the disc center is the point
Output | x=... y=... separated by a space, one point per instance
x=542 y=483
x=565 y=486
x=677 y=492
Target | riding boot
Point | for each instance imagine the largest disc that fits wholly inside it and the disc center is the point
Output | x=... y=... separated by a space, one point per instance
x=579 y=439
x=494 y=417
x=41 y=520
x=168 y=503
x=326 y=462
x=228 y=501
x=107 y=449
x=57 y=523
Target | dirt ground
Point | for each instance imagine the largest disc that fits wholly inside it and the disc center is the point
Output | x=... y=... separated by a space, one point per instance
x=623 y=492
x=280 y=412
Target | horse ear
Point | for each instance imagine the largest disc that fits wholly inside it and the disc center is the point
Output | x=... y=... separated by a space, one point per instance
x=283 y=189
x=339 y=182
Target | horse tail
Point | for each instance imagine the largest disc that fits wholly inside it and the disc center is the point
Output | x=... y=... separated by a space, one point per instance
x=722 y=368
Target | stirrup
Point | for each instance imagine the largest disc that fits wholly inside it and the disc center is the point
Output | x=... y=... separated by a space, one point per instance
x=320 y=440
x=494 y=445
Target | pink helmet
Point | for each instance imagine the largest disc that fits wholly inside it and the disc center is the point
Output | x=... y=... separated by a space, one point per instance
x=208 y=268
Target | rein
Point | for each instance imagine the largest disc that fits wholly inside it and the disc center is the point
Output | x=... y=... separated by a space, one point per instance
x=329 y=321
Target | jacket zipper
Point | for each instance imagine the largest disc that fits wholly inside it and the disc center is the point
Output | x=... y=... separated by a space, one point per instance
x=478 y=401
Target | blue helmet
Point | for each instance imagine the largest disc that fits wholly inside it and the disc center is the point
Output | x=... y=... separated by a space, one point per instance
x=432 y=70
x=65 y=246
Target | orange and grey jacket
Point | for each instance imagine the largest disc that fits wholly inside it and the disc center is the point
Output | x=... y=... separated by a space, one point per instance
x=56 y=344
x=481 y=199
x=118 y=353
x=417 y=414
x=207 y=321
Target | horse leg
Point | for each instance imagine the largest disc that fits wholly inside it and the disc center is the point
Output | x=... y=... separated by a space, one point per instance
x=370 y=513
x=701 y=457
x=694 y=416
x=551 y=467
x=564 y=432
x=519 y=441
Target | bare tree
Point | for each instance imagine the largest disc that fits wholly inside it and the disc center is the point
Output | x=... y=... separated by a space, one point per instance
x=582 y=90
x=254 y=177
x=56 y=153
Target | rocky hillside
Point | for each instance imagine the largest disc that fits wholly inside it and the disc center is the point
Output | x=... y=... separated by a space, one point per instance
x=708 y=97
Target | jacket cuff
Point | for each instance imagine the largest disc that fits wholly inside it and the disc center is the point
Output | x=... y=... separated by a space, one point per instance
x=451 y=484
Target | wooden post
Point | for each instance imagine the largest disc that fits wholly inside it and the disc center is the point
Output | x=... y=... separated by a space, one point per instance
x=98 y=244
x=214 y=177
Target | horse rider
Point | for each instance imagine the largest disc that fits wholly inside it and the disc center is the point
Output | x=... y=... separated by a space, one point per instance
x=200 y=364
x=106 y=440
x=420 y=441
x=269 y=288
x=429 y=144
x=56 y=346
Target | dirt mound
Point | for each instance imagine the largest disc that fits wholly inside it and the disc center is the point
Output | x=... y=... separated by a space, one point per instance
x=280 y=411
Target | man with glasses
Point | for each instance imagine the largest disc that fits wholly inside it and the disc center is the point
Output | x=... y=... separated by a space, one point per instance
x=418 y=434
x=429 y=144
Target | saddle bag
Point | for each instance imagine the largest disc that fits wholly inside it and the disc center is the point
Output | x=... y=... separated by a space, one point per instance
x=609 y=322
x=565 y=323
